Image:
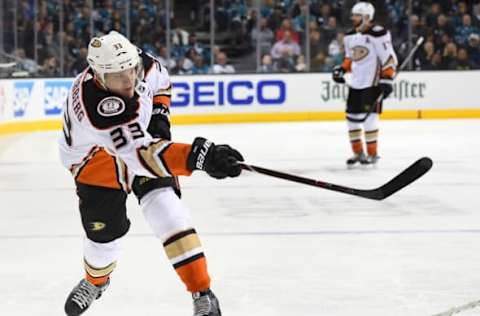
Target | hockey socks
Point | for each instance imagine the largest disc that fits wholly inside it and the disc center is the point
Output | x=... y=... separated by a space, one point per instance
x=184 y=251
x=98 y=276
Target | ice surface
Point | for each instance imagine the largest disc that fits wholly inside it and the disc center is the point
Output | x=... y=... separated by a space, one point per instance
x=274 y=248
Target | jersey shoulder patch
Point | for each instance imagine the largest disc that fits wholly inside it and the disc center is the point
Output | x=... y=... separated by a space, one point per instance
x=377 y=31
x=106 y=109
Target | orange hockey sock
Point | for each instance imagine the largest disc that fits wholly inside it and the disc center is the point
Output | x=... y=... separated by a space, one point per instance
x=98 y=276
x=356 y=140
x=185 y=253
x=371 y=139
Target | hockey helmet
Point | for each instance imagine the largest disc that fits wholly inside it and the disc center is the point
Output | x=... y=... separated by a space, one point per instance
x=364 y=9
x=111 y=53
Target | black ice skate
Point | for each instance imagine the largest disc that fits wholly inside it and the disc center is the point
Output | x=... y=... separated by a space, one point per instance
x=360 y=157
x=205 y=304
x=82 y=297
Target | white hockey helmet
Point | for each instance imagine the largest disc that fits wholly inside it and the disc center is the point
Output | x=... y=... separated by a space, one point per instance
x=364 y=9
x=111 y=53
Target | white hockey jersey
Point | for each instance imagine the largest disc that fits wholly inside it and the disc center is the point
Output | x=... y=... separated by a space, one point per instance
x=369 y=56
x=105 y=140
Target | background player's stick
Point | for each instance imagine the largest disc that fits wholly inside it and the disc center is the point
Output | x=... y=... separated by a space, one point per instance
x=380 y=97
x=459 y=309
x=407 y=176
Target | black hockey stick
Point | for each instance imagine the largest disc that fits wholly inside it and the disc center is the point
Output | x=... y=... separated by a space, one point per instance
x=380 y=98
x=407 y=176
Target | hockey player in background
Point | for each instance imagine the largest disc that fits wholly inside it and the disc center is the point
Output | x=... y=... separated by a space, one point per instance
x=117 y=139
x=370 y=58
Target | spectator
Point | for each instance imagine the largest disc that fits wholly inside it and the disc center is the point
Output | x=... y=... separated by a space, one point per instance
x=462 y=10
x=81 y=62
x=301 y=66
x=462 y=62
x=180 y=36
x=449 y=56
x=473 y=49
x=199 y=67
x=263 y=37
x=275 y=20
x=180 y=68
x=285 y=47
x=329 y=29
x=24 y=63
x=194 y=44
x=319 y=63
x=426 y=55
x=221 y=67
x=318 y=43
x=434 y=12
x=287 y=27
x=285 y=63
x=463 y=32
x=49 y=67
x=169 y=63
x=266 y=64
x=442 y=28
x=336 y=50
x=322 y=12
x=300 y=21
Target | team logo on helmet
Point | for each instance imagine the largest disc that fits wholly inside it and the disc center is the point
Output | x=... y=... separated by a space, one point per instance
x=111 y=106
x=359 y=53
x=96 y=43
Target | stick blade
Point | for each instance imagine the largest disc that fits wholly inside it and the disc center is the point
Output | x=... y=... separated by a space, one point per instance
x=407 y=176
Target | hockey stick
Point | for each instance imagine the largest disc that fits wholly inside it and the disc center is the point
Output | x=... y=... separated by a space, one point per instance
x=459 y=309
x=407 y=176
x=380 y=98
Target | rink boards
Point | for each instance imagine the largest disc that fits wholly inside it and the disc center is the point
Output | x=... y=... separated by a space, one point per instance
x=35 y=104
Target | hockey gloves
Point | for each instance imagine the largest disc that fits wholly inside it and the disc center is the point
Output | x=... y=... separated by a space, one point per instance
x=219 y=161
x=386 y=87
x=159 y=126
x=338 y=73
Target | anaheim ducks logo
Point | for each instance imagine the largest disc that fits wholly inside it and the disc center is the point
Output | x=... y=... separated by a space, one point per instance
x=96 y=43
x=359 y=53
x=111 y=106
x=96 y=226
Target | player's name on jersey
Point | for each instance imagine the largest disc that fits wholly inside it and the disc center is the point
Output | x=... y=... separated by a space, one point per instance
x=402 y=89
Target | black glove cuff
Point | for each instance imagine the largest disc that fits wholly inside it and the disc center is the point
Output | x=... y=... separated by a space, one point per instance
x=198 y=155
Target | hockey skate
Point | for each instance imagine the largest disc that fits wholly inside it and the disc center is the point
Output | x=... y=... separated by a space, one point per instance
x=371 y=160
x=82 y=297
x=360 y=157
x=205 y=304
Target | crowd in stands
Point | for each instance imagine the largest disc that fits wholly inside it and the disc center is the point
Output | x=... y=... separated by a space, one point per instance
x=286 y=33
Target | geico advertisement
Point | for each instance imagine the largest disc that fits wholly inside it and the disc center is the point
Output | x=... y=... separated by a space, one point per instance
x=22 y=99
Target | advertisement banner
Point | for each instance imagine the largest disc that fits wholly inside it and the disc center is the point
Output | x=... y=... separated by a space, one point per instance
x=38 y=99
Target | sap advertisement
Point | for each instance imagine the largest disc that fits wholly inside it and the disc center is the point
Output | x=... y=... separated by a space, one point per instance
x=34 y=99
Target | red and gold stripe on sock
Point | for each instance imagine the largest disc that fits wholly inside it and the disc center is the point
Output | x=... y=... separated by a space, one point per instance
x=98 y=276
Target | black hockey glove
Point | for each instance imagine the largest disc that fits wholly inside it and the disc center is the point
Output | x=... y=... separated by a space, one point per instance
x=338 y=73
x=219 y=161
x=159 y=126
x=386 y=87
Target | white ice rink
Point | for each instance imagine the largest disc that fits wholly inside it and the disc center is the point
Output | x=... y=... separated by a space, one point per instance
x=274 y=248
